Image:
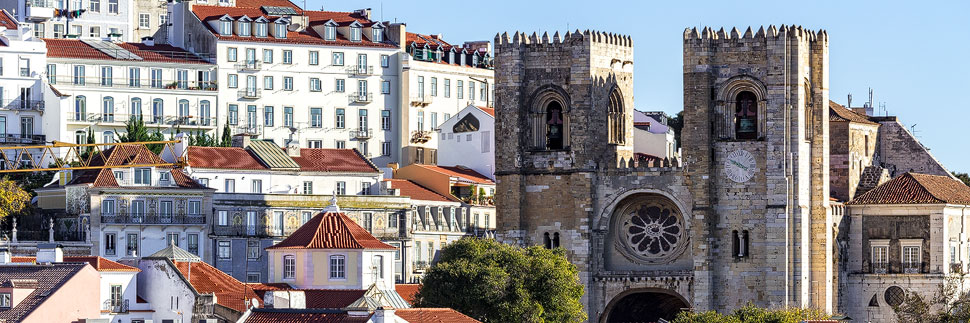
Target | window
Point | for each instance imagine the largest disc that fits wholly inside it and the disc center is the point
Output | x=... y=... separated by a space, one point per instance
x=314 y=143
x=163 y=19
x=911 y=258
x=447 y=88
x=483 y=89
x=252 y=277
x=420 y=120
x=280 y=29
x=554 y=126
x=307 y=187
x=330 y=32
x=385 y=61
x=341 y=188
x=94 y=31
x=230 y=186
x=267 y=82
x=289 y=267
x=58 y=30
x=39 y=30
x=471 y=91
x=158 y=107
x=143 y=176
x=224 y=250
x=113 y=6
x=79 y=74
x=434 y=120
x=172 y=238
x=251 y=115
x=339 y=86
x=233 y=81
x=233 y=114
x=340 y=118
x=385 y=119
x=51 y=72
x=377 y=34
x=315 y=85
x=257 y=186
x=288 y=117
x=379 y=266
x=385 y=148
x=205 y=112
x=746 y=116
x=261 y=29
x=182 y=76
x=355 y=34
x=155 y=78
x=287 y=83
x=223 y=218
x=368 y=221
x=316 y=117
x=134 y=77
x=434 y=86
x=143 y=18
x=245 y=29
x=268 y=116
x=880 y=259
x=183 y=109
x=420 y=86
x=341 y=144
x=132 y=244
x=314 y=57
x=287 y=56
x=24 y=67
x=305 y=217
x=338 y=59
x=110 y=244
x=252 y=250
x=95 y=6
x=337 y=267
x=385 y=87
x=364 y=188
x=616 y=119
x=108 y=207
x=231 y=53
x=460 y=90
x=268 y=56
x=362 y=119
x=108 y=109
x=5 y=300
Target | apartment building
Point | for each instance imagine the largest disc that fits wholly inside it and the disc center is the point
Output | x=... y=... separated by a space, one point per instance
x=110 y=83
x=439 y=79
x=317 y=78
x=468 y=138
x=76 y=18
x=22 y=89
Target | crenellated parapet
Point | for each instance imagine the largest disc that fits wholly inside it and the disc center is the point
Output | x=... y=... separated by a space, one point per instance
x=597 y=37
x=709 y=36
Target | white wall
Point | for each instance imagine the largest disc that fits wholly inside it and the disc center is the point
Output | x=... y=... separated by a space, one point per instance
x=656 y=144
x=478 y=153
x=122 y=20
x=167 y=293
x=16 y=45
x=129 y=282
x=286 y=182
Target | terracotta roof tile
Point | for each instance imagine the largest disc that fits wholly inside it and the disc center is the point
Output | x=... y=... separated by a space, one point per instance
x=464 y=173
x=260 y=3
x=262 y=287
x=333 y=160
x=417 y=192
x=837 y=112
x=204 y=278
x=73 y=48
x=223 y=158
x=315 y=298
x=308 y=36
x=102 y=264
x=7 y=20
x=329 y=230
x=433 y=315
x=915 y=188
x=490 y=111
x=125 y=155
x=49 y=279
x=303 y=315
x=407 y=291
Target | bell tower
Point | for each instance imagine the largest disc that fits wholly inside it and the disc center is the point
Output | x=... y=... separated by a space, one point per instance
x=756 y=149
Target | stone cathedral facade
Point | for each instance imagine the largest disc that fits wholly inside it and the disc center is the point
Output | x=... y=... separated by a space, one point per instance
x=745 y=217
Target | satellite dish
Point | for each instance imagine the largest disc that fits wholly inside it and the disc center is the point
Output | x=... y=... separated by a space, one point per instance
x=294 y=26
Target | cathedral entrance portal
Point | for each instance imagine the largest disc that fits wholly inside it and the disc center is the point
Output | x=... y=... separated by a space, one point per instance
x=645 y=306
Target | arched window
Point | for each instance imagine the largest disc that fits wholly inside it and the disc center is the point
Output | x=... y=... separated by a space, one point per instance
x=158 y=109
x=205 y=113
x=108 y=109
x=546 y=242
x=554 y=126
x=135 y=108
x=80 y=108
x=183 y=109
x=616 y=123
x=555 y=240
x=746 y=116
x=80 y=137
x=739 y=241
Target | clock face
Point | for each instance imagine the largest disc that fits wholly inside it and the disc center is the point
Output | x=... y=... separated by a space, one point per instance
x=740 y=166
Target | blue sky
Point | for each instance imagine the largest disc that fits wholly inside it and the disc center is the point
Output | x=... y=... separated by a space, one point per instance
x=914 y=54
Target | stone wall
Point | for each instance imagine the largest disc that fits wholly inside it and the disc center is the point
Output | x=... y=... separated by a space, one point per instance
x=852 y=148
x=901 y=152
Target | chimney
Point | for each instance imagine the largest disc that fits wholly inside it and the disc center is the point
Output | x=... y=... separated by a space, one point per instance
x=241 y=140
x=397 y=32
x=293 y=148
x=384 y=314
x=4 y=256
x=49 y=253
x=363 y=12
x=148 y=41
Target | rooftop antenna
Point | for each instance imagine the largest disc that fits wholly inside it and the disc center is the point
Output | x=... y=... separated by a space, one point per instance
x=849 y=104
x=870 y=97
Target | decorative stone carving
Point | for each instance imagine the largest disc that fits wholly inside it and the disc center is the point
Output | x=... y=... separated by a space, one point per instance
x=650 y=229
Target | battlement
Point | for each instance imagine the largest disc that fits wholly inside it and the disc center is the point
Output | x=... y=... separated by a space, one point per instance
x=793 y=31
x=520 y=38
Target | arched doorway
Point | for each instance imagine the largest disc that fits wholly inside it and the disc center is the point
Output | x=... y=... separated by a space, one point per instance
x=645 y=307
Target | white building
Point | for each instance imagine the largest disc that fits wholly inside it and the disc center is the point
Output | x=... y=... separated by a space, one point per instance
x=653 y=138
x=110 y=83
x=439 y=79
x=22 y=88
x=468 y=140
x=62 y=19
x=322 y=79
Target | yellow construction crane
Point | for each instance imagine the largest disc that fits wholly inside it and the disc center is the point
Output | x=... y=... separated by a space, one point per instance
x=23 y=160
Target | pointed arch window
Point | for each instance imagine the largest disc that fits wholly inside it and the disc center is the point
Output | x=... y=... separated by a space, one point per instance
x=617 y=121
x=550 y=120
x=746 y=116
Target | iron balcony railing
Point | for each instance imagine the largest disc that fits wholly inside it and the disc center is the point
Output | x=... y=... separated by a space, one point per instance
x=911 y=267
x=115 y=306
x=253 y=65
x=250 y=93
x=133 y=83
x=11 y=138
x=140 y=218
x=360 y=70
x=880 y=267
x=362 y=133
x=121 y=118
x=253 y=230
x=22 y=105
x=361 y=97
x=421 y=99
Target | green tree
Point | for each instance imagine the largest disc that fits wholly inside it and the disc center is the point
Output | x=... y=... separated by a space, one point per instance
x=677 y=123
x=226 y=136
x=949 y=304
x=29 y=181
x=751 y=314
x=13 y=198
x=495 y=282
x=963 y=177
x=136 y=131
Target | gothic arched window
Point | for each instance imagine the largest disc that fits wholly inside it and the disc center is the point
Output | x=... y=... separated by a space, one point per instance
x=746 y=116
x=554 y=126
x=546 y=242
x=616 y=122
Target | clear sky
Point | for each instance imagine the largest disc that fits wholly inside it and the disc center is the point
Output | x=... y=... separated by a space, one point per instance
x=915 y=55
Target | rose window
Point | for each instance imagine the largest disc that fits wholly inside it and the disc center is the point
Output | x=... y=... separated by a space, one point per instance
x=652 y=231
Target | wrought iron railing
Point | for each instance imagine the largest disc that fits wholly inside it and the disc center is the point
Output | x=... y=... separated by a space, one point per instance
x=121 y=118
x=250 y=93
x=138 y=83
x=115 y=306
x=880 y=267
x=253 y=65
x=362 y=133
x=11 y=138
x=360 y=70
x=139 y=218
x=255 y=230
x=361 y=97
x=911 y=267
x=22 y=105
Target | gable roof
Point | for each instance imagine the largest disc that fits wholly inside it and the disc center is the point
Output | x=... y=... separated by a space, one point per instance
x=837 y=112
x=330 y=230
x=916 y=188
x=417 y=192
x=49 y=279
x=271 y=155
x=122 y=154
x=175 y=253
x=7 y=20
x=205 y=279
x=266 y=153
x=223 y=158
x=162 y=53
x=433 y=315
x=407 y=291
x=490 y=111
x=99 y=263
x=464 y=173
x=266 y=315
x=334 y=160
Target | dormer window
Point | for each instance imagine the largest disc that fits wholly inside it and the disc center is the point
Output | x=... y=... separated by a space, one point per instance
x=261 y=29
x=280 y=29
x=355 y=34
x=330 y=32
x=451 y=57
x=475 y=60
x=378 y=34
x=164 y=176
x=245 y=27
x=225 y=27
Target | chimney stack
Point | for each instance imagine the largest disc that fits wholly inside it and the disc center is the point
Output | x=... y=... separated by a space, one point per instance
x=148 y=41
x=49 y=253
x=4 y=256
x=241 y=140
x=293 y=148
x=384 y=314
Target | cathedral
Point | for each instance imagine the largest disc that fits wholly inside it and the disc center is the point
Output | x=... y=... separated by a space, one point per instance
x=748 y=215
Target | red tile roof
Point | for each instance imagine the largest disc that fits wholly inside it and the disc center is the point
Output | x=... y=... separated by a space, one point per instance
x=333 y=160
x=260 y=3
x=49 y=279
x=315 y=298
x=430 y=40
x=407 y=291
x=102 y=265
x=7 y=20
x=206 y=279
x=329 y=230
x=262 y=287
x=308 y=36
x=490 y=111
x=837 y=112
x=223 y=158
x=915 y=188
x=417 y=192
x=125 y=155
x=433 y=315
x=303 y=316
x=163 y=53
x=464 y=173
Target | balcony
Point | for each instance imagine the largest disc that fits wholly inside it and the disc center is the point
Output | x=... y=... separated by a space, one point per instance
x=421 y=100
x=22 y=105
x=360 y=70
x=360 y=97
x=137 y=83
x=255 y=230
x=249 y=66
x=250 y=93
x=361 y=133
x=115 y=306
x=911 y=267
x=141 y=218
x=22 y=139
x=120 y=119
x=40 y=10
x=880 y=267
